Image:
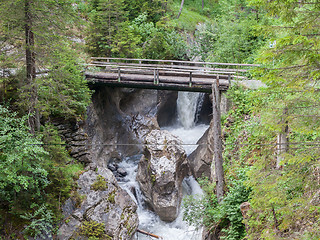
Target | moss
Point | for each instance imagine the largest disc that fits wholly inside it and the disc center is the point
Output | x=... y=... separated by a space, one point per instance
x=92 y=230
x=77 y=198
x=111 y=197
x=99 y=184
x=153 y=178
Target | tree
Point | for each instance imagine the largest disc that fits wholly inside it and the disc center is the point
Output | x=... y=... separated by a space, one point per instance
x=181 y=7
x=283 y=194
x=33 y=31
x=105 y=18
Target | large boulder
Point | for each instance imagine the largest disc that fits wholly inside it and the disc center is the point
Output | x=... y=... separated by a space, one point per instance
x=160 y=173
x=100 y=202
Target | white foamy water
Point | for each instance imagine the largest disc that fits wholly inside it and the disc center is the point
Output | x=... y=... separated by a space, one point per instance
x=190 y=136
x=189 y=133
x=148 y=220
x=187 y=107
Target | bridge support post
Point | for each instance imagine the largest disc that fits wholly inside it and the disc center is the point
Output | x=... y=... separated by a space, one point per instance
x=158 y=77
x=217 y=140
x=119 y=75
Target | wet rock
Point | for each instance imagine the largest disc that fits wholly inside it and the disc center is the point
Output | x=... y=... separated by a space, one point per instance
x=167 y=108
x=113 y=166
x=204 y=110
x=201 y=160
x=117 y=120
x=160 y=173
x=103 y=201
x=68 y=208
x=122 y=172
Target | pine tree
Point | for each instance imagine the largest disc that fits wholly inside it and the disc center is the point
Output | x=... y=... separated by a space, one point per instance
x=285 y=188
x=35 y=31
x=105 y=19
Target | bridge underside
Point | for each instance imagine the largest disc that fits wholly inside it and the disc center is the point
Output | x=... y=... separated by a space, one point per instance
x=176 y=83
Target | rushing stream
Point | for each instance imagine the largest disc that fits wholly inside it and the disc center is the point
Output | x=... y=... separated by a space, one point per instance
x=189 y=133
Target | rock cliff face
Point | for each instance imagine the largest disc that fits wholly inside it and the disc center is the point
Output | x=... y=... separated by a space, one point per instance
x=201 y=160
x=160 y=173
x=119 y=122
x=119 y=116
x=78 y=143
x=99 y=200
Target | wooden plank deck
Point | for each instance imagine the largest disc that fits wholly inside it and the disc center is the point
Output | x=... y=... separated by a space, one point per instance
x=164 y=74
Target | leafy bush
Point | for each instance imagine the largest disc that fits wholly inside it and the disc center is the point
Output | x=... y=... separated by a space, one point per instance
x=63 y=171
x=41 y=222
x=22 y=174
x=226 y=215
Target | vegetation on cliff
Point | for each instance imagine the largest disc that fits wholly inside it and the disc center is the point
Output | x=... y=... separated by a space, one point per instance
x=42 y=52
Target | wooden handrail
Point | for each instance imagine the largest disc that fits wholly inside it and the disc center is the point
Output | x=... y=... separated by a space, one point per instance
x=176 y=61
x=205 y=69
x=133 y=68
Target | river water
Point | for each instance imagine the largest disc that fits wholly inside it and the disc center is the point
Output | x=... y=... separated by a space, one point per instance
x=189 y=132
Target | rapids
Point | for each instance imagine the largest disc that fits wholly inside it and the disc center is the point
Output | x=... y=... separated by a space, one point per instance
x=189 y=132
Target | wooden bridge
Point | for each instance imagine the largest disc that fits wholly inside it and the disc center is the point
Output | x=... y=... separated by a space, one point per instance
x=164 y=74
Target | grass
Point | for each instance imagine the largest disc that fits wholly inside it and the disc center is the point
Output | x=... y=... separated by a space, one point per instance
x=191 y=15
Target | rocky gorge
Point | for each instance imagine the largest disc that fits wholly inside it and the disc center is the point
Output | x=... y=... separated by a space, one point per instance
x=122 y=123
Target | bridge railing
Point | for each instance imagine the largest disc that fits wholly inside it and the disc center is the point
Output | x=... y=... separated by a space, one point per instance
x=236 y=70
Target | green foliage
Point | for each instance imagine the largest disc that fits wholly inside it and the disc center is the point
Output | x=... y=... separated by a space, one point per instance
x=127 y=42
x=22 y=173
x=192 y=14
x=283 y=198
x=92 y=229
x=154 y=9
x=226 y=215
x=41 y=222
x=111 y=197
x=230 y=36
x=138 y=37
x=63 y=171
x=100 y=184
x=64 y=92
x=105 y=18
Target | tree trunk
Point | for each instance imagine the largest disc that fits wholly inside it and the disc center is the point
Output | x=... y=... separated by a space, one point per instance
x=217 y=140
x=34 y=119
x=283 y=140
x=182 y=2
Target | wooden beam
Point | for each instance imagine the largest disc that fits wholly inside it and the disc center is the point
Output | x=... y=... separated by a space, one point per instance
x=217 y=140
x=151 y=78
x=148 y=234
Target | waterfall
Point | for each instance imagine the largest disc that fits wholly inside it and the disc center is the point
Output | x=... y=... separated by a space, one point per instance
x=187 y=107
